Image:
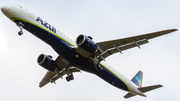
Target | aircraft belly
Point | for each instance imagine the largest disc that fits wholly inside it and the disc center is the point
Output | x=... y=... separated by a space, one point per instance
x=64 y=49
x=40 y=33
x=111 y=78
x=60 y=46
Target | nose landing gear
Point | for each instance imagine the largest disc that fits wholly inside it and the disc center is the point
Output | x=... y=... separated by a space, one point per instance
x=20 y=32
x=20 y=25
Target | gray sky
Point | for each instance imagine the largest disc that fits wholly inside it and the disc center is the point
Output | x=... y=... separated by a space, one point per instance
x=103 y=20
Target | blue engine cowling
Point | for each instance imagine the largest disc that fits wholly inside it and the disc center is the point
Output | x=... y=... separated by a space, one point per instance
x=86 y=43
x=47 y=62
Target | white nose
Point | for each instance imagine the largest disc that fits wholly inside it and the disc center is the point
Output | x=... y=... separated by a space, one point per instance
x=6 y=10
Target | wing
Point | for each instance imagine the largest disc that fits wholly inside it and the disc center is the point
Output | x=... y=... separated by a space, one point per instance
x=108 y=48
x=63 y=68
x=53 y=76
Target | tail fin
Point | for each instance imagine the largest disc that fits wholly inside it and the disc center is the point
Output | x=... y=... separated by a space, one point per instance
x=137 y=79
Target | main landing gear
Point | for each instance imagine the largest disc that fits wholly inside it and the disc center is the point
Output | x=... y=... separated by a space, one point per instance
x=20 y=25
x=70 y=77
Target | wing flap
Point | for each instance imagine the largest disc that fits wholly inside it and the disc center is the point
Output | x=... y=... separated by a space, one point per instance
x=121 y=48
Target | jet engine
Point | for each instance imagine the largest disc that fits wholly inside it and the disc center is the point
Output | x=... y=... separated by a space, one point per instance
x=86 y=43
x=47 y=62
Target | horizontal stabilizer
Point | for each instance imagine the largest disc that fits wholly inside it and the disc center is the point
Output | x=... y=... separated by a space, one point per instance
x=148 y=88
x=128 y=95
x=143 y=90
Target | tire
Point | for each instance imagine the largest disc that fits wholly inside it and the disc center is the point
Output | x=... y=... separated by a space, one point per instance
x=20 y=33
x=67 y=78
x=71 y=77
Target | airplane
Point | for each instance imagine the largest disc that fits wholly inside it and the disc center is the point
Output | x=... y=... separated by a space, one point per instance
x=83 y=54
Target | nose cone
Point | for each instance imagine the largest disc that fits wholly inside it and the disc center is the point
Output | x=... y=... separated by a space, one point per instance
x=3 y=9
x=6 y=10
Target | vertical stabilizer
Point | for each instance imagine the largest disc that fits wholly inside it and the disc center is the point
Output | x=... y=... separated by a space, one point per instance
x=137 y=79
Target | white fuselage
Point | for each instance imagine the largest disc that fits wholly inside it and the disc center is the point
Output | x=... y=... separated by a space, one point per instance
x=21 y=14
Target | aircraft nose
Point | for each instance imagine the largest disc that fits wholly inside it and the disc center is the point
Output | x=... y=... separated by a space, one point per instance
x=6 y=10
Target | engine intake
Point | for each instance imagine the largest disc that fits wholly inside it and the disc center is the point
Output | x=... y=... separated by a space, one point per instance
x=86 y=43
x=47 y=62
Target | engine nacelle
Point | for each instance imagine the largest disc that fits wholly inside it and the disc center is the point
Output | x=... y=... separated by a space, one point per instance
x=86 y=43
x=47 y=62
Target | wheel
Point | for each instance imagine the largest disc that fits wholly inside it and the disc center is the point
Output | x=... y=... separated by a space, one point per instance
x=68 y=78
x=71 y=77
x=20 y=33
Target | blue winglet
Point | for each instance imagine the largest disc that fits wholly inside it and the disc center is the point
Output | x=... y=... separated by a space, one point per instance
x=137 y=79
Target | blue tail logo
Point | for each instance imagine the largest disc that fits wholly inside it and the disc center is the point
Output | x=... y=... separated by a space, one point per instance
x=137 y=79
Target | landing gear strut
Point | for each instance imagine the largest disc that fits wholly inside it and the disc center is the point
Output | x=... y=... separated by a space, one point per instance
x=20 y=33
x=98 y=67
x=70 y=77
x=20 y=24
